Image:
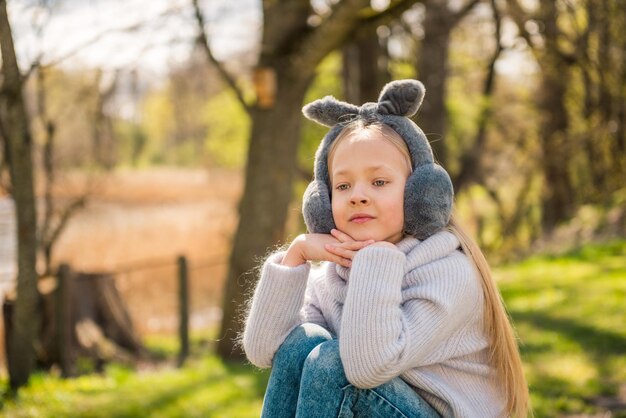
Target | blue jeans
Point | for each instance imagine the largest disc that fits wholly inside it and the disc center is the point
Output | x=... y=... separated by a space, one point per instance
x=308 y=380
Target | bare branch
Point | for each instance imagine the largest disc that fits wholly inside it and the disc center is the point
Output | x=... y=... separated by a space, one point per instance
x=470 y=160
x=519 y=16
x=203 y=40
x=48 y=154
x=394 y=11
x=339 y=25
x=464 y=11
x=130 y=28
x=52 y=235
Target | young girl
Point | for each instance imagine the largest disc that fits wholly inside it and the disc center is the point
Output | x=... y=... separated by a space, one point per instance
x=405 y=319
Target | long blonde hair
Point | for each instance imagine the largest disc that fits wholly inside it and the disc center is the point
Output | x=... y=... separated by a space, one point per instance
x=504 y=355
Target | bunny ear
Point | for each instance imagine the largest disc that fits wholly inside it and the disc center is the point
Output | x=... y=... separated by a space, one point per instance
x=329 y=111
x=401 y=98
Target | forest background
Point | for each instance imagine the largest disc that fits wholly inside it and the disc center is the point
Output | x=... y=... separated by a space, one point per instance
x=132 y=134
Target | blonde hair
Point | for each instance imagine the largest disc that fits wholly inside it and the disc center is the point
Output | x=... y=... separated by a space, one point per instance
x=504 y=354
x=384 y=131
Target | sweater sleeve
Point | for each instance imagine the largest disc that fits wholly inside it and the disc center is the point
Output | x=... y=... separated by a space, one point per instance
x=382 y=335
x=275 y=309
x=311 y=311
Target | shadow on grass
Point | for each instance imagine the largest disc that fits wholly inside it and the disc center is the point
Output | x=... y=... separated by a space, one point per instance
x=592 y=340
x=600 y=345
x=232 y=372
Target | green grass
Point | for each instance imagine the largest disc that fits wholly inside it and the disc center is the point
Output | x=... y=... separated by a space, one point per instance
x=569 y=311
x=204 y=387
x=570 y=314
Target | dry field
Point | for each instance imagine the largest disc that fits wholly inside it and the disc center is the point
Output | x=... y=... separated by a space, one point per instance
x=136 y=224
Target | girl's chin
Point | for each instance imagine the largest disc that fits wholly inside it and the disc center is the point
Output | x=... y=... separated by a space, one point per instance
x=363 y=236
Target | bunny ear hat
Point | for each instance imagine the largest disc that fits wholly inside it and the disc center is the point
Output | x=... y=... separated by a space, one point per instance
x=428 y=194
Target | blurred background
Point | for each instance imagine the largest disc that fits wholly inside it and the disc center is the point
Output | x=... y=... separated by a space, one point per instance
x=154 y=151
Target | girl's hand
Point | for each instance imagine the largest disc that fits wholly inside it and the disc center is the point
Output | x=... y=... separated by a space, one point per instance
x=341 y=236
x=317 y=247
x=345 y=238
x=347 y=247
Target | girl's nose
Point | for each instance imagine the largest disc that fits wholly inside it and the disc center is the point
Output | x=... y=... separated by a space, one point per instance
x=358 y=197
x=362 y=201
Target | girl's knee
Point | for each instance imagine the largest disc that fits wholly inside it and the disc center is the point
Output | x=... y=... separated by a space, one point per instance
x=301 y=341
x=324 y=362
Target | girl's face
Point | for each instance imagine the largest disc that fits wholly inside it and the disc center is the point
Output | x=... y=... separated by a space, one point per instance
x=368 y=174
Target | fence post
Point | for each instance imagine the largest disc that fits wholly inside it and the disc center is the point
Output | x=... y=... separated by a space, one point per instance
x=183 y=293
x=64 y=319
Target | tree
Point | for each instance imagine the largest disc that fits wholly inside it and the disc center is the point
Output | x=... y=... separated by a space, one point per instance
x=295 y=39
x=364 y=67
x=555 y=62
x=470 y=168
x=15 y=130
x=432 y=68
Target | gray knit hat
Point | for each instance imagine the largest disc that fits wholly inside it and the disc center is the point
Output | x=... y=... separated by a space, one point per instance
x=428 y=193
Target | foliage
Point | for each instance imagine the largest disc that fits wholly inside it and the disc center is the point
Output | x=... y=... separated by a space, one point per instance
x=70 y=97
x=228 y=128
x=327 y=83
x=189 y=119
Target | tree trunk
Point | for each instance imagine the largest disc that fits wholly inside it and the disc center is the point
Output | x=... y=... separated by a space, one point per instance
x=16 y=130
x=263 y=209
x=83 y=318
x=559 y=195
x=433 y=72
x=470 y=161
x=364 y=70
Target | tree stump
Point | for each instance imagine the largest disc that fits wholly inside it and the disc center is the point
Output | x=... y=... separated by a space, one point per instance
x=83 y=316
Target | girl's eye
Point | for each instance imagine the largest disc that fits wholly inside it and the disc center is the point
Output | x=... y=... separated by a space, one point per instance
x=379 y=182
x=342 y=187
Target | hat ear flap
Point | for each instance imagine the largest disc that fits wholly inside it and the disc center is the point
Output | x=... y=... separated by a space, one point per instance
x=317 y=209
x=401 y=98
x=428 y=198
x=330 y=111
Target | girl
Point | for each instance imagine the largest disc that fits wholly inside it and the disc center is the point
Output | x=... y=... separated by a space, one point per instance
x=405 y=319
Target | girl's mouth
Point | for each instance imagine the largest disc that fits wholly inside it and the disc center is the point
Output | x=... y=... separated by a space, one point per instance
x=361 y=219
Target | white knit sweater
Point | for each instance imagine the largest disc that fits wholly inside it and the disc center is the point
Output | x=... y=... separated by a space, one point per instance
x=415 y=312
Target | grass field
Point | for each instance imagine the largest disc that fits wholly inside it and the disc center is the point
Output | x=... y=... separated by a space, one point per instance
x=569 y=311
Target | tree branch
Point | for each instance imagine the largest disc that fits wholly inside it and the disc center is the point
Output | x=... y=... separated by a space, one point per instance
x=470 y=160
x=203 y=40
x=315 y=44
x=130 y=28
x=52 y=234
x=372 y=18
x=464 y=11
x=339 y=25
x=519 y=16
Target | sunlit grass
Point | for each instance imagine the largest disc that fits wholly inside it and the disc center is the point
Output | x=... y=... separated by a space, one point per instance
x=204 y=387
x=569 y=312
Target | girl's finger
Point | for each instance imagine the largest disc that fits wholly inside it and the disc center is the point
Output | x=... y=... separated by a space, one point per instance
x=339 y=260
x=355 y=245
x=342 y=252
x=340 y=235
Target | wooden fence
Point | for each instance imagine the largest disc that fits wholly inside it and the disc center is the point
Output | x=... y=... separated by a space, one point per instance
x=72 y=302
